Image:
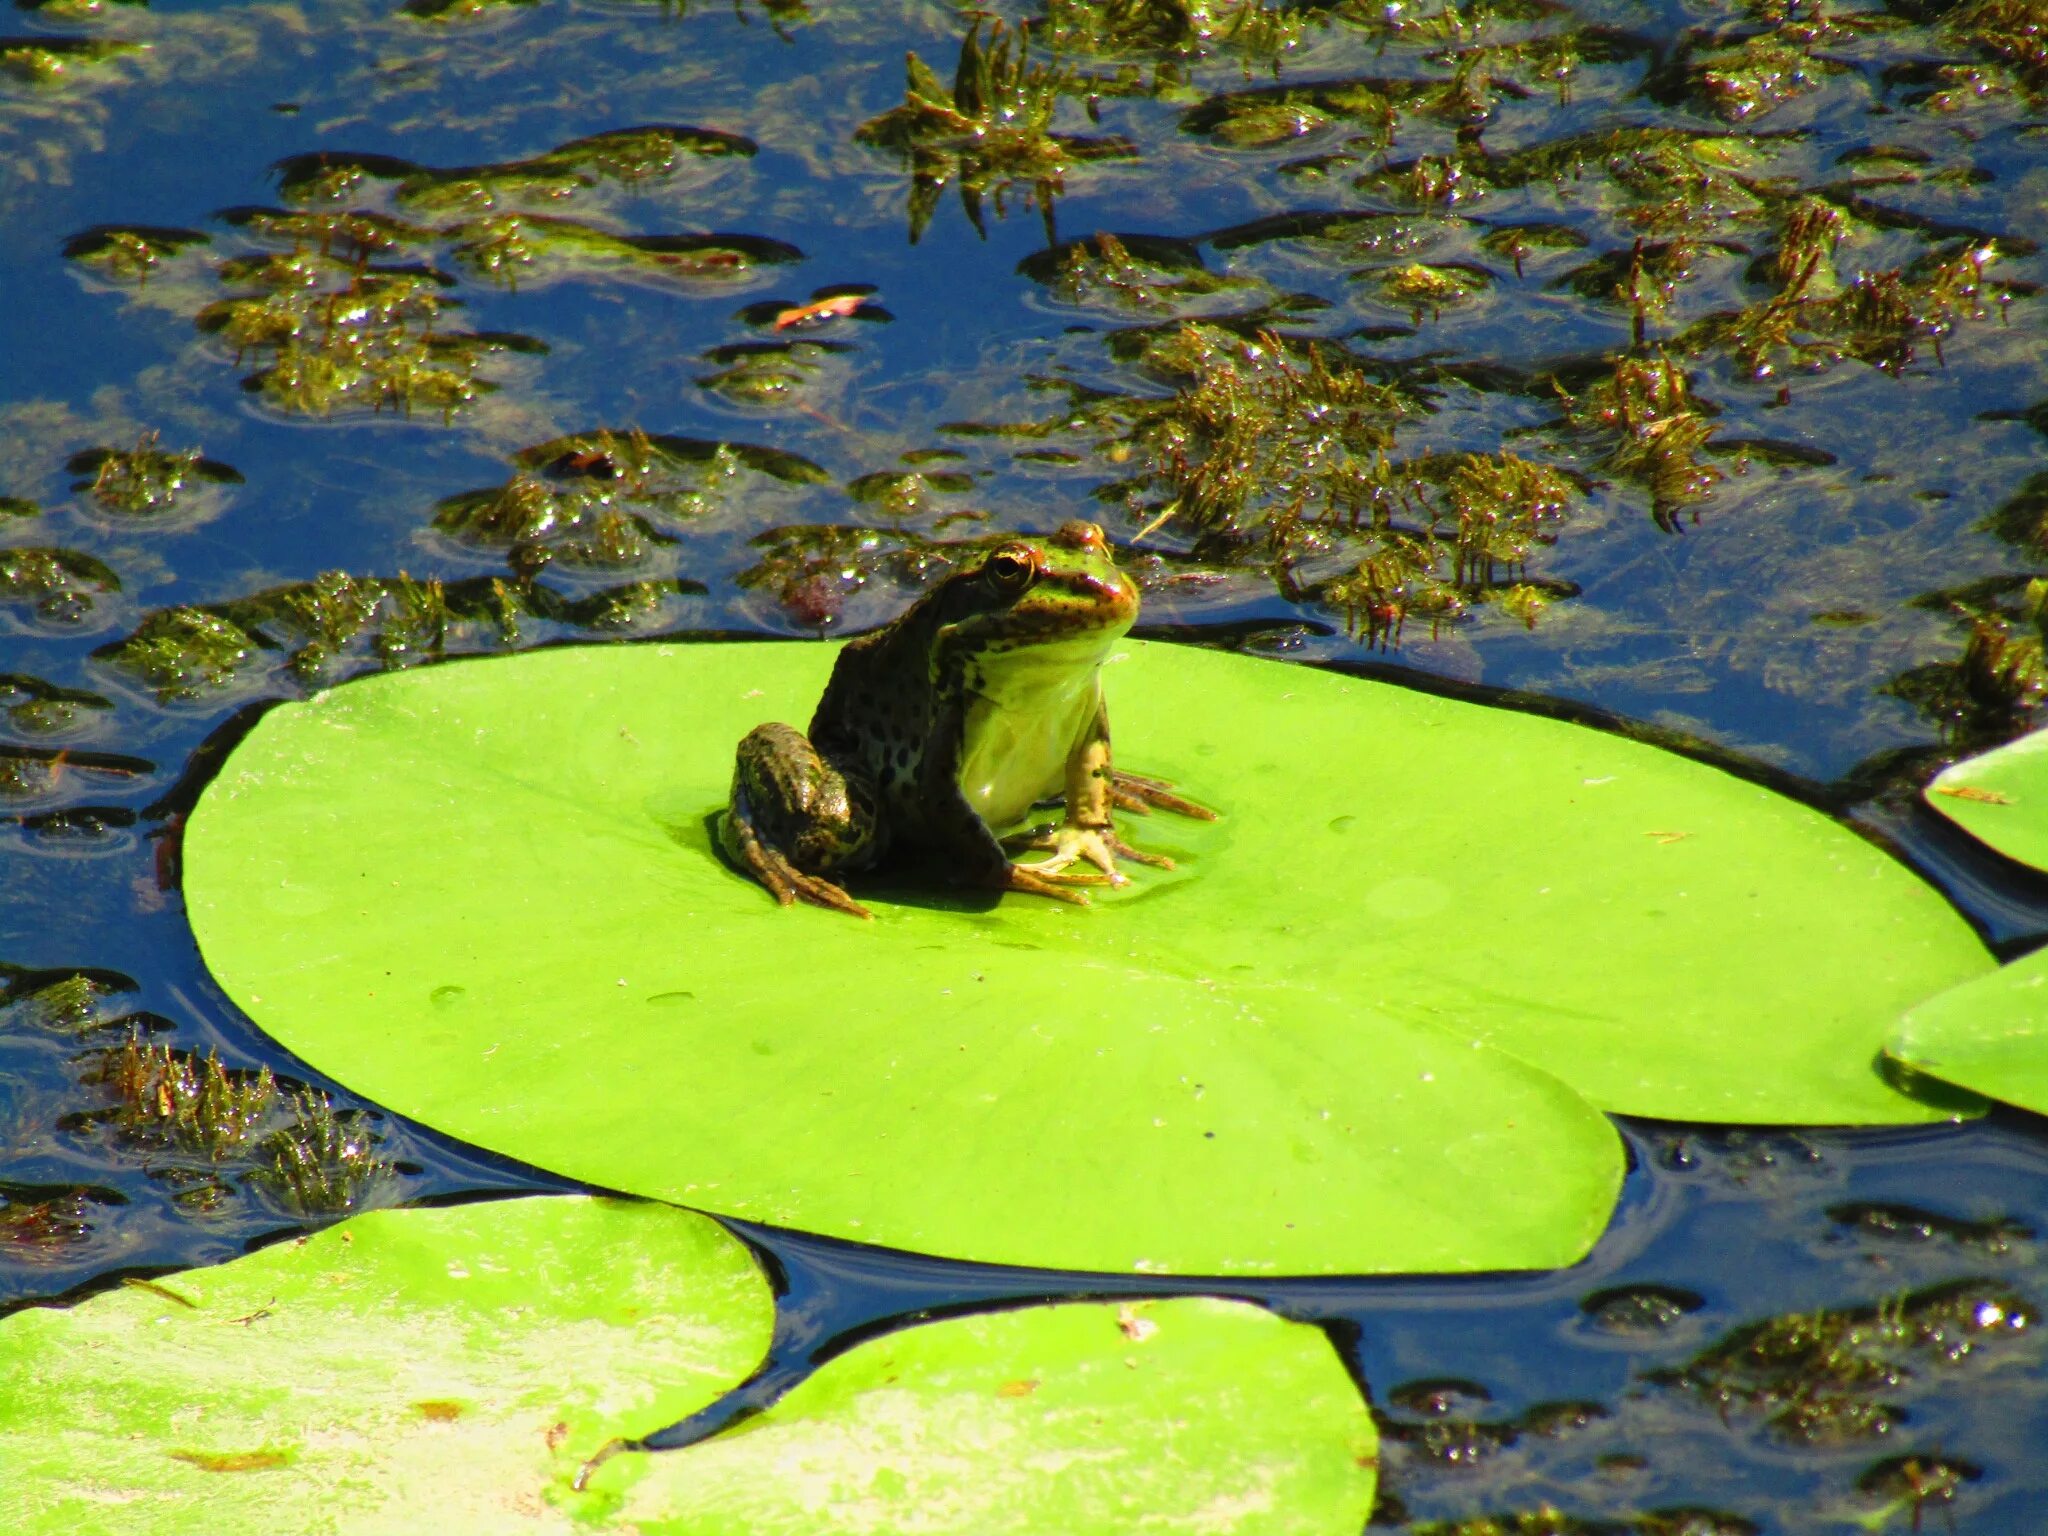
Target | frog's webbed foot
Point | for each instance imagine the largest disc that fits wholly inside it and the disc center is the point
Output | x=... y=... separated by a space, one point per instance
x=1070 y=844
x=1059 y=886
x=1135 y=792
x=772 y=868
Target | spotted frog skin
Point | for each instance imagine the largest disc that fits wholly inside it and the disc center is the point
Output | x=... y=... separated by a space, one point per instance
x=982 y=700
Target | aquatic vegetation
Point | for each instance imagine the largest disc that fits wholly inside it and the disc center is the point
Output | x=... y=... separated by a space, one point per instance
x=1421 y=287
x=606 y=500
x=1909 y=1485
x=1139 y=275
x=459 y=10
x=130 y=252
x=1833 y=1376
x=1992 y=691
x=907 y=493
x=322 y=1163
x=49 y=61
x=508 y=249
x=334 y=332
x=144 y=480
x=72 y=1004
x=1276 y=456
x=58 y=586
x=165 y=1097
x=37 y=707
x=768 y=375
x=41 y=1221
x=814 y=571
x=990 y=131
x=181 y=653
x=1176 y=30
x=1518 y=242
x=628 y=157
x=1651 y=429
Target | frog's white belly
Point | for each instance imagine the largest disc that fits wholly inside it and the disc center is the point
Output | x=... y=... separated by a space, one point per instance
x=1026 y=713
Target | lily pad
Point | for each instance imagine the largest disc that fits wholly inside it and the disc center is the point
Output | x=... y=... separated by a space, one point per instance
x=1989 y=1035
x=2000 y=798
x=454 y=1370
x=486 y=895
x=1191 y=1415
x=445 y=1369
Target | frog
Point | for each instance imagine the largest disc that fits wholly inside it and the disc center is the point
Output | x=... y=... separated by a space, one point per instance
x=981 y=701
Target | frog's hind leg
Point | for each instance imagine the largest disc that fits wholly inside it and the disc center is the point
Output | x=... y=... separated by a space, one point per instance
x=794 y=818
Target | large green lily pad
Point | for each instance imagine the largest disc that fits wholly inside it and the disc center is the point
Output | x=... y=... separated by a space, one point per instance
x=2000 y=797
x=431 y=1370
x=1191 y=1415
x=485 y=895
x=1989 y=1035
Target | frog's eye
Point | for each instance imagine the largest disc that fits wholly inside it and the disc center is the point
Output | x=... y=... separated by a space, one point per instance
x=1010 y=570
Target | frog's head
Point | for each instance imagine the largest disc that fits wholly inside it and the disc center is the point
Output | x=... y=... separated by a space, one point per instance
x=1059 y=598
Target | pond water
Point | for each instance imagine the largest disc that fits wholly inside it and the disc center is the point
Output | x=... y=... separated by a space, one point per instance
x=1679 y=366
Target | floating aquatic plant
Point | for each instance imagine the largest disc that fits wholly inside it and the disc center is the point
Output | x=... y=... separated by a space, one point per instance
x=1838 y=1375
x=144 y=480
x=1649 y=427
x=51 y=61
x=131 y=252
x=1993 y=689
x=181 y=653
x=990 y=131
x=1136 y=275
x=771 y=375
x=165 y=1097
x=322 y=1163
x=38 y=707
x=1175 y=30
x=58 y=586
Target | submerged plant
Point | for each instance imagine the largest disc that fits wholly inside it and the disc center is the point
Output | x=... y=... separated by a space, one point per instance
x=1993 y=690
x=1176 y=29
x=1651 y=429
x=60 y=586
x=990 y=131
x=1826 y=1377
x=145 y=479
x=322 y=1163
x=180 y=653
x=131 y=252
x=55 y=60
x=38 y=707
x=166 y=1097
x=1143 y=277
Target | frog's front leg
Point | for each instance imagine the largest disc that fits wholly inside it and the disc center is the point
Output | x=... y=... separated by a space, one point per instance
x=975 y=855
x=1087 y=831
x=795 y=817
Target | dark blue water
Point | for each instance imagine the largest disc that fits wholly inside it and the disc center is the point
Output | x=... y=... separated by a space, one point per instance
x=1841 y=608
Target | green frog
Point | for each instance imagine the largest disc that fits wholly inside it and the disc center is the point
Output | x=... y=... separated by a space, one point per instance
x=981 y=701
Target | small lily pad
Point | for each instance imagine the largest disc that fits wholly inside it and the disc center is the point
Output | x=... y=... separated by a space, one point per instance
x=1184 y=1416
x=431 y=1369
x=1989 y=1035
x=2000 y=798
